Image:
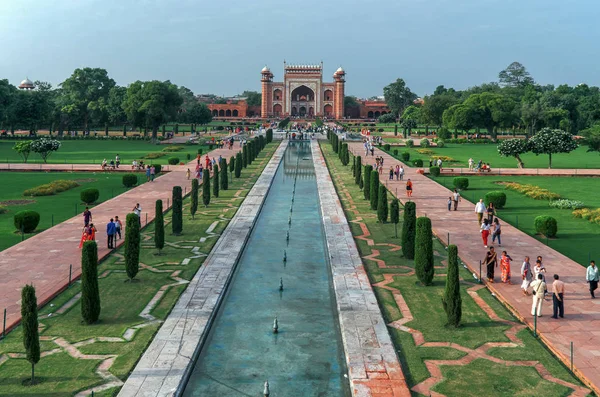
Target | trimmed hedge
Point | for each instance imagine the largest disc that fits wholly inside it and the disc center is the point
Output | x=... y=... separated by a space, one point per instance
x=26 y=220
x=395 y=151
x=159 y=226
x=408 y=230
x=374 y=189
x=90 y=293
x=405 y=156
x=451 y=300
x=546 y=225
x=425 y=143
x=177 y=217
x=440 y=144
x=418 y=163
x=409 y=143
x=424 y=251
x=367 y=181
x=387 y=147
x=434 y=171
x=173 y=160
x=130 y=180
x=461 y=183
x=382 y=205
x=89 y=196
x=497 y=197
x=157 y=168
x=132 y=245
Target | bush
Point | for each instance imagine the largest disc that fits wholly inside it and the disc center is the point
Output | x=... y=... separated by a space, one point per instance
x=395 y=214
x=90 y=293
x=30 y=326
x=451 y=300
x=188 y=156
x=461 y=183
x=405 y=156
x=418 y=163
x=424 y=251
x=157 y=168
x=177 y=218
x=425 y=143
x=132 y=245
x=89 y=196
x=434 y=171
x=206 y=187
x=199 y=151
x=395 y=151
x=408 y=230
x=215 y=181
x=26 y=221
x=444 y=133
x=380 y=130
x=387 y=147
x=357 y=169
x=130 y=180
x=194 y=197
x=172 y=149
x=153 y=156
x=409 y=143
x=546 y=225
x=440 y=144
x=497 y=197
x=3 y=209
x=562 y=204
x=173 y=160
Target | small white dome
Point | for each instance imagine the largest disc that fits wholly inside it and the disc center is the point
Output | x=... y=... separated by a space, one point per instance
x=265 y=69
x=339 y=70
x=26 y=82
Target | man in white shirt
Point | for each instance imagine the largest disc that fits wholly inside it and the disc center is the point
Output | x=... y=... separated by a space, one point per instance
x=138 y=211
x=480 y=210
x=456 y=199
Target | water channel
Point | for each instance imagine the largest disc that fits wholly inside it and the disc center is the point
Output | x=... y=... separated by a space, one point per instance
x=305 y=357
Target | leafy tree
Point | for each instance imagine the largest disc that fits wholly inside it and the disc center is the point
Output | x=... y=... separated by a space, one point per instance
x=238 y=164
x=198 y=113
x=395 y=215
x=514 y=148
x=224 y=177
x=45 y=147
x=216 y=180
x=459 y=117
x=374 y=189
x=451 y=300
x=412 y=112
x=398 y=96
x=90 y=293
x=23 y=148
x=350 y=102
x=488 y=110
x=177 y=217
x=515 y=75
x=432 y=110
x=408 y=124
x=592 y=138
x=532 y=114
x=159 y=225
x=253 y=98
x=194 y=197
x=409 y=229
x=206 y=188
x=358 y=170
x=424 y=251
x=29 y=321
x=382 y=205
x=549 y=141
x=132 y=245
x=387 y=118
x=116 y=96
x=367 y=181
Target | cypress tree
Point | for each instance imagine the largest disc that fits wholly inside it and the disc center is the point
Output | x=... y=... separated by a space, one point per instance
x=345 y=154
x=29 y=321
x=361 y=184
x=354 y=166
x=395 y=215
x=367 y=181
x=194 y=197
x=451 y=300
x=382 y=205
x=132 y=245
x=206 y=188
x=424 y=251
x=159 y=224
x=238 y=164
x=374 y=189
x=269 y=135
x=231 y=164
x=177 y=217
x=250 y=152
x=224 y=177
x=409 y=228
x=358 y=172
x=90 y=293
x=245 y=156
x=215 y=181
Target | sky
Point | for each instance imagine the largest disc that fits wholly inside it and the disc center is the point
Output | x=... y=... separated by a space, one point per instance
x=220 y=46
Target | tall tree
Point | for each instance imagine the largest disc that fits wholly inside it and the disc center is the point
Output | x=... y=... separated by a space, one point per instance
x=215 y=181
x=374 y=189
x=198 y=113
x=395 y=215
x=367 y=181
x=224 y=178
x=253 y=98
x=29 y=321
x=90 y=293
x=132 y=245
x=409 y=228
x=433 y=108
x=238 y=164
x=424 y=251
x=592 y=138
x=159 y=226
x=549 y=141
x=206 y=187
x=382 y=205
x=398 y=96
x=358 y=170
x=451 y=300
x=177 y=218
x=514 y=148
x=116 y=97
x=515 y=75
x=194 y=197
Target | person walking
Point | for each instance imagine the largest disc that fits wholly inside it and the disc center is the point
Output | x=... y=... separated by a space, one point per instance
x=526 y=275
x=480 y=210
x=138 y=211
x=409 y=188
x=401 y=172
x=485 y=232
x=505 y=260
x=87 y=217
x=449 y=203
x=147 y=173
x=456 y=198
x=490 y=261
x=391 y=173
x=397 y=172
x=539 y=269
x=471 y=163
x=558 y=294
x=118 y=227
x=188 y=173
x=592 y=277
x=538 y=287
x=491 y=212
x=152 y=173
x=496 y=232
x=110 y=232
x=117 y=160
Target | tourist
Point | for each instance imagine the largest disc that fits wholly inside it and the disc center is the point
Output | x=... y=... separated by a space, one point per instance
x=391 y=173
x=449 y=203
x=188 y=173
x=117 y=160
x=439 y=163
x=133 y=164
x=111 y=229
x=592 y=277
x=152 y=173
x=471 y=163
x=200 y=169
x=491 y=212
x=485 y=232
x=490 y=261
x=147 y=173
x=397 y=172
x=401 y=172
x=372 y=150
x=456 y=198
x=538 y=286
x=479 y=210
x=526 y=275
x=198 y=158
x=558 y=293
x=118 y=227
x=409 y=188
x=206 y=161
x=103 y=166
x=92 y=232
x=540 y=270
x=505 y=260
x=138 y=211
x=87 y=216
x=496 y=232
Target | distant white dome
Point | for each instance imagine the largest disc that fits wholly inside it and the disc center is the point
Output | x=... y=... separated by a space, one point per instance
x=27 y=84
x=265 y=69
x=339 y=70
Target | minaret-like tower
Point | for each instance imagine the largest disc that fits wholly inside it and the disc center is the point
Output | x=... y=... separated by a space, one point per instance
x=338 y=104
x=266 y=109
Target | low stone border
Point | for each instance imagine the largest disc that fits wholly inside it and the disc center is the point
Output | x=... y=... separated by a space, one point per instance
x=166 y=364
x=373 y=366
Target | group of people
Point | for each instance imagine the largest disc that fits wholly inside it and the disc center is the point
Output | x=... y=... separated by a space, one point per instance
x=369 y=147
x=113 y=229
x=113 y=164
x=150 y=173
x=398 y=172
x=480 y=167
x=434 y=162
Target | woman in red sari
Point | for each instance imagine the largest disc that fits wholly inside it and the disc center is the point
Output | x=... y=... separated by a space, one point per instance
x=505 y=267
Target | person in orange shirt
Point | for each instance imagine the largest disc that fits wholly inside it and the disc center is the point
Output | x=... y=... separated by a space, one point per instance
x=409 y=188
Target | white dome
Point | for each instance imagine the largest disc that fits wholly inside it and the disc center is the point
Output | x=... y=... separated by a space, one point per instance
x=339 y=70
x=26 y=82
x=265 y=69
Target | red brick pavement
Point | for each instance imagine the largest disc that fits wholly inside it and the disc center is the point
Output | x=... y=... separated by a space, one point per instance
x=68 y=167
x=581 y=324
x=45 y=258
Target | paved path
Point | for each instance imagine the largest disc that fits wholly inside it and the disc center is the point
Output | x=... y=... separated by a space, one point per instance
x=44 y=259
x=68 y=167
x=520 y=171
x=582 y=315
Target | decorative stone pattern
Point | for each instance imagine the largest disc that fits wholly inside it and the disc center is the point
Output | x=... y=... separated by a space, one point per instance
x=170 y=356
x=373 y=366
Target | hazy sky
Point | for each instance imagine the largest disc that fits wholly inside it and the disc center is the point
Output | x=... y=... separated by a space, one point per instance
x=220 y=46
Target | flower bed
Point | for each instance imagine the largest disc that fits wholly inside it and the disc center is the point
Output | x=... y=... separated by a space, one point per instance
x=531 y=191
x=566 y=204
x=592 y=215
x=51 y=188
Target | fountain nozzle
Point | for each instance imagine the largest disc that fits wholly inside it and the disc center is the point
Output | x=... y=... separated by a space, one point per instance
x=275 y=326
x=266 y=391
x=284 y=256
x=281 y=284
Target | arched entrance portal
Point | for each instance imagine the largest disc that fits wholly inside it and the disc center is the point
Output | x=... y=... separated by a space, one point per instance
x=303 y=99
x=302 y=112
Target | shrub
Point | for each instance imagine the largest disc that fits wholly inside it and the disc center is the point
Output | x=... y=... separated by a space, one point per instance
x=177 y=218
x=153 y=156
x=49 y=189
x=357 y=169
x=231 y=164
x=269 y=135
x=90 y=293
x=532 y=191
x=380 y=129
x=26 y=221
x=440 y=144
x=157 y=168
x=444 y=133
x=374 y=189
x=220 y=128
x=409 y=143
x=590 y=215
x=461 y=183
x=427 y=152
x=173 y=160
x=159 y=226
x=29 y=323
x=238 y=165
x=382 y=205
x=434 y=171
x=395 y=151
x=367 y=181
x=387 y=147
x=224 y=177
x=3 y=209
x=405 y=156
x=418 y=163
x=199 y=151
x=497 y=197
x=565 y=204
x=89 y=195
x=188 y=156
x=425 y=143
x=546 y=225
x=395 y=214
x=132 y=245
x=408 y=229
x=130 y=180
x=451 y=300
x=424 y=251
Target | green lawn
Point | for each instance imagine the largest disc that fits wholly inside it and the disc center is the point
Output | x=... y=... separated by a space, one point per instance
x=61 y=206
x=488 y=153
x=577 y=238
x=122 y=302
x=480 y=378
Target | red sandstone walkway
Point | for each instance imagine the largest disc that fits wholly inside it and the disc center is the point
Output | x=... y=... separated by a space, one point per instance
x=448 y=170
x=582 y=315
x=44 y=259
x=68 y=167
